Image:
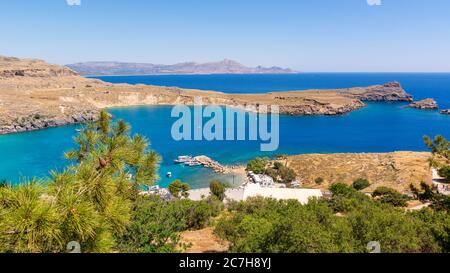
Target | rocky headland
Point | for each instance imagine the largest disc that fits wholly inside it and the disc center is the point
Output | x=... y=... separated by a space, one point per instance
x=426 y=104
x=36 y=95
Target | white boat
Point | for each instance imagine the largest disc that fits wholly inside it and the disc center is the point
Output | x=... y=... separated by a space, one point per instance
x=193 y=163
x=183 y=159
x=169 y=174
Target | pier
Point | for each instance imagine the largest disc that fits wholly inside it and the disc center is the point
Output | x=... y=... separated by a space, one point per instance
x=201 y=160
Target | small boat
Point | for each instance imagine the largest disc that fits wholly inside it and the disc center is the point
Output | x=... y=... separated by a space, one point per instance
x=169 y=174
x=183 y=159
x=78 y=130
x=193 y=163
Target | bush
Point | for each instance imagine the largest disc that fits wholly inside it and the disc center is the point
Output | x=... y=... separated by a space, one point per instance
x=281 y=173
x=341 y=189
x=424 y=194
x=445 y=172
x=360 y=184
x=287 y=175
x=155 y=223
x=218 y=189
x=278 y=165
x=258 y=165
x=319 y=180
x=388 y=195
x=260 y=225
x=197 y=214
x=179 y=189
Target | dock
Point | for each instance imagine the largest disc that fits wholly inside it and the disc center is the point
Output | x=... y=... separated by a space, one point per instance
x=201 y=160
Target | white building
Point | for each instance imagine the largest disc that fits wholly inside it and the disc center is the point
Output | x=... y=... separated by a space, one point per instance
x=255 y=190
x=261 y=179
x=301 y=195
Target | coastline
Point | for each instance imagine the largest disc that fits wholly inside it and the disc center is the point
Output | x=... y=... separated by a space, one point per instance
x=77 y=105
x=36 y=95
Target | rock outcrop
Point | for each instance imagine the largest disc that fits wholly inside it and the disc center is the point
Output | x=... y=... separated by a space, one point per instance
x=37 y=121
x=35 y=95
x=392 y=91
x=426 y=104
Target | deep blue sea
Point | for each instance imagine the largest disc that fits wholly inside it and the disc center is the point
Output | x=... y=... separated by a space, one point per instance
x=380 y=127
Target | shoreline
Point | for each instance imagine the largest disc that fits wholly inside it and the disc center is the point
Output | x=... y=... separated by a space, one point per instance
x=36 y=95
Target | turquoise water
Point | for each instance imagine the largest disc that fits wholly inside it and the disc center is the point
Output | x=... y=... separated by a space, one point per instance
x=380 y=127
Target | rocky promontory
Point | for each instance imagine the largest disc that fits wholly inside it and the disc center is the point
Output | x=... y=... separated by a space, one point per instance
x=391 y=91
x=36 y=95
x=426 y=104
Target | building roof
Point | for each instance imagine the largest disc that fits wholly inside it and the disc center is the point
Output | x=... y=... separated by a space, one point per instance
x=301 y=195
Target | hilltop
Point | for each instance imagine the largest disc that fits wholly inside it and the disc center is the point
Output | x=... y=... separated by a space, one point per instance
x=222 y=67
x=36 y=95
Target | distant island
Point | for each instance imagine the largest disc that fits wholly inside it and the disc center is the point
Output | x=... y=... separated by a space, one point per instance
x=122 y=68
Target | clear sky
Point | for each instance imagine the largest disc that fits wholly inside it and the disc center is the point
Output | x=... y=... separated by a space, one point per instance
x=308 y=35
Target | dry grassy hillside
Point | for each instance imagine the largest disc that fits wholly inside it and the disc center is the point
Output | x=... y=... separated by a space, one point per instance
x=396 y=170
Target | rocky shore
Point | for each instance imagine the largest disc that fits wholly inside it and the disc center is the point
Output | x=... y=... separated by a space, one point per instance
x=389 y=92
x=37 y=122
x=36 y=95
x=426 y=104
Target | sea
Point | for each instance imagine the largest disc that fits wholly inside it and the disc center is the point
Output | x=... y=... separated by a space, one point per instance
x=379 y=127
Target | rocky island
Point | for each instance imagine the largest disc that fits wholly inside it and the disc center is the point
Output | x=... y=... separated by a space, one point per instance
x=36 y=95
x=426 y=104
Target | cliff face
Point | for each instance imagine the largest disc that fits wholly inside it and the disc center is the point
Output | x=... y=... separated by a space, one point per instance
x=30 y=74
x=392 y=91
x=14 y=67
x=36 y=95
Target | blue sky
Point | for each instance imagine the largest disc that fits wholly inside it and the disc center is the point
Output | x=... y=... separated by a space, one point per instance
x=308 y=35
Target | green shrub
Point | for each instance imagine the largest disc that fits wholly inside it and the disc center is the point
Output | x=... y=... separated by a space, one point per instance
x=258 y=165
x=179 y=189
x=390 y=196
x=341 y=189
x=319 y=180
x=287 y=175
x=360 y=184
x=155 y=223
x=278 y=165
x=445 y=172
x=260 y=225
x=218 y=189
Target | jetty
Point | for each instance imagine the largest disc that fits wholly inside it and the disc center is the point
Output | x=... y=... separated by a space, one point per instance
x=201 y=160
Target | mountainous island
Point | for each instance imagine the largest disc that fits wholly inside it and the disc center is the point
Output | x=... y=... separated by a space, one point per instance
x=222 y=67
